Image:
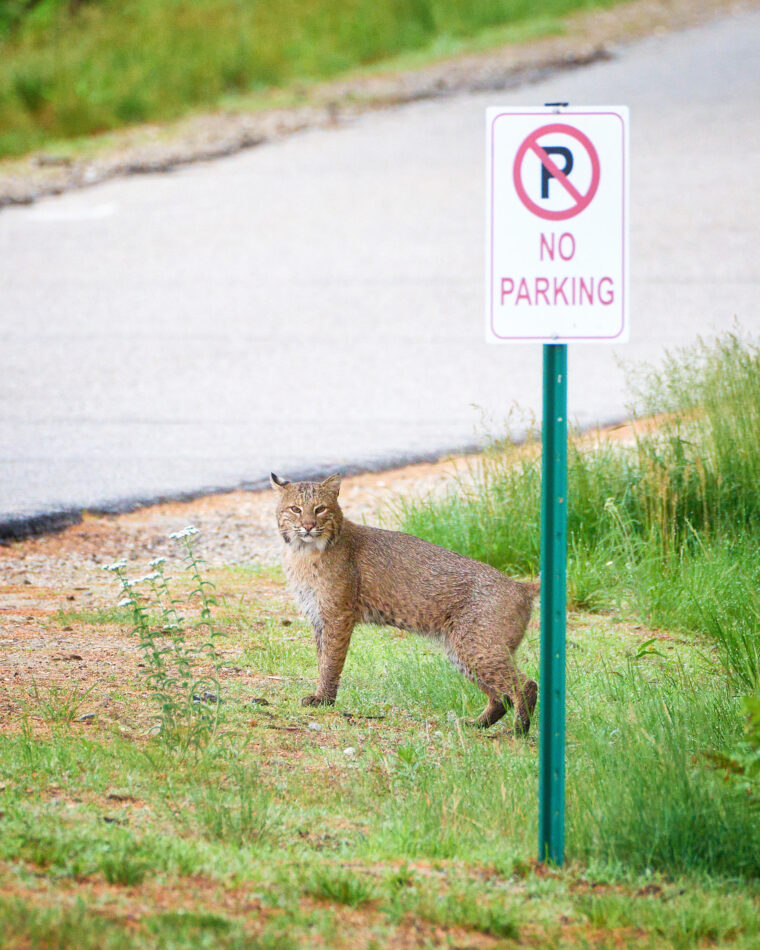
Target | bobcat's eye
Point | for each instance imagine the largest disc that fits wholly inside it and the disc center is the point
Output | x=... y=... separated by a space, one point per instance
x=319 y=509
x=295 y=509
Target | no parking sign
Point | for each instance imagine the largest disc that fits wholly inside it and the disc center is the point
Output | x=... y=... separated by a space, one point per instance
x=557 y=225
x=557 y=273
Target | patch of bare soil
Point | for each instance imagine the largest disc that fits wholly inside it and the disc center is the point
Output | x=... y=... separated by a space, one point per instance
x=588 y=36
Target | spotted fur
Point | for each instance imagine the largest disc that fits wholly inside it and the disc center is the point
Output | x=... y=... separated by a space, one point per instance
x=343 y=573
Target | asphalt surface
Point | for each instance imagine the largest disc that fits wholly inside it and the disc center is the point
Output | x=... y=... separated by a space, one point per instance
x=318 y=302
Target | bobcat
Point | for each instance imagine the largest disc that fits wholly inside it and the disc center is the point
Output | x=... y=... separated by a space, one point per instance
x=344 y=573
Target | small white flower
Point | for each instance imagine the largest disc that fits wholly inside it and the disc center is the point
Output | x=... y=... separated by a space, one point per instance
x=314 y=726
x=157 y=561
x=116 y=566
x=149 y=577
x=350 y=752
x=126 y=602
x=187 y=532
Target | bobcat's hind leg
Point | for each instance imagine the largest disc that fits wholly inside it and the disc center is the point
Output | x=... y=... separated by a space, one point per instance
x=495 y=673
x=521 y=695
x=497 y=708
x=491 y=714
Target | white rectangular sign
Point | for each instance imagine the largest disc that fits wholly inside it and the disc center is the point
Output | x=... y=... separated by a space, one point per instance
x=557 y=224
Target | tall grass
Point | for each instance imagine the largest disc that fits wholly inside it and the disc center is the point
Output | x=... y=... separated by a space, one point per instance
x=642 y=792
x=666 y=528
x=75 y=68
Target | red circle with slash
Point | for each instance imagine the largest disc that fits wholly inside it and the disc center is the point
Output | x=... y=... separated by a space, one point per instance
x=531 y=144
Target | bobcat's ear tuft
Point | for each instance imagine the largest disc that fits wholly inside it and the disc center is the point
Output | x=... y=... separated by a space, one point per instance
x=277 y=482
x=332 y=483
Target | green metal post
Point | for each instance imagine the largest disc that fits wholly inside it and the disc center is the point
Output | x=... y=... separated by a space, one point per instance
x=551 y=784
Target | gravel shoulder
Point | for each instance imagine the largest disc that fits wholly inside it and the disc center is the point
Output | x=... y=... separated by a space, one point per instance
x=588 y=37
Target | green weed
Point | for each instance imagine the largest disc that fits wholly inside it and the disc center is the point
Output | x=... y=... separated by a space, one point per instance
x=742 y=767
x=27 y=926
x=124 y=865
x=682 y=920
x=234 y=807
x=340 y=887
x=466 y=908
x=642 y=792
x=59 y=703
x=182 y=672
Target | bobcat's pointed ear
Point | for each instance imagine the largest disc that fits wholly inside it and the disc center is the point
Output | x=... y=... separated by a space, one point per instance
x=277 y=482
x=332 y=483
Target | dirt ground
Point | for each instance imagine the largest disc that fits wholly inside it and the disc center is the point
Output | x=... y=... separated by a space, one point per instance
x=588 y=36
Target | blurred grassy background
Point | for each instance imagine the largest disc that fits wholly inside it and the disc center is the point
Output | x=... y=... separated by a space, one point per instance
x=70 y=68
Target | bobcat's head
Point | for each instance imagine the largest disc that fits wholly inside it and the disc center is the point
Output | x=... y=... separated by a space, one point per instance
x=308 y=513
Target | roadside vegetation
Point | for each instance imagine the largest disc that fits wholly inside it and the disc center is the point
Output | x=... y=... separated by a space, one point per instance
x=664 y=531
x=72 y=68
x=217 y=813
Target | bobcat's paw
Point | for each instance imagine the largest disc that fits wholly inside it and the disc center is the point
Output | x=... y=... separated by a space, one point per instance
x=314 y=700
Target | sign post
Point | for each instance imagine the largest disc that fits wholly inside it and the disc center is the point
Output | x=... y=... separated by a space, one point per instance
x=551 y=767
x=557 y=272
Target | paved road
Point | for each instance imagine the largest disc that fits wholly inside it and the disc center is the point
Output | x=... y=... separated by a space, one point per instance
x=319 y=301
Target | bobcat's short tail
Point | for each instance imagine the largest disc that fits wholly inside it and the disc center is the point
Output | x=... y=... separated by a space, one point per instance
x=534 y=587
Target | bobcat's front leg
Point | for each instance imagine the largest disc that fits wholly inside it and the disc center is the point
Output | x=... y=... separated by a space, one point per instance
x=332 y=645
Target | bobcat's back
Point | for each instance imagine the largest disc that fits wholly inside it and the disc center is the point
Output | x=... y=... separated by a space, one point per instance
x=410 y=583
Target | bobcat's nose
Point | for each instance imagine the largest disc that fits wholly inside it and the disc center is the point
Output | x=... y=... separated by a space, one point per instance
x=309 y=526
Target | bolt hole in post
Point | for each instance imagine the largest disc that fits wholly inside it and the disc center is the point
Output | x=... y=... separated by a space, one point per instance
x=557 y=273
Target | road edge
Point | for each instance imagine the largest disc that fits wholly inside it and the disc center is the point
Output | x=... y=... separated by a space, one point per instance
x=589 y=37
x=18 y=527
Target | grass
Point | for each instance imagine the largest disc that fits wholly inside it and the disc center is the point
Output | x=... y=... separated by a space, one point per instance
x=74 y=69
x=278 y=837
x=338 y=887
x=666 y=530
x=387 y=821
x=58 y=703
